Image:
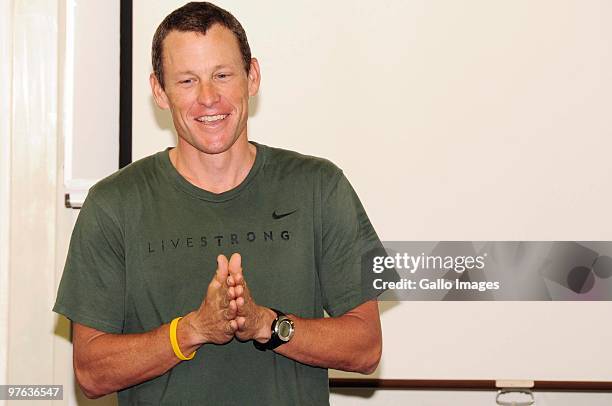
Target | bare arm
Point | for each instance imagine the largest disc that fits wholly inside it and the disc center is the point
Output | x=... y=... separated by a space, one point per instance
x=351 y=342
x=105 y=363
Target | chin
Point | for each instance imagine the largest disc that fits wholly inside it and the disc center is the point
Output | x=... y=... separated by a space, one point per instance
x=215 y=147
x=213 y=151
x=211 y=142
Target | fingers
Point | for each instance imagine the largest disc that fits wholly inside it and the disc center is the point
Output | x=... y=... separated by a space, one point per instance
x=231 y=327
x=235 y=268
x=233 y=307
x=231 y=281
x=226 y=314
x=243 y=294
x=244 y=307
x=230 y=300
x=240 y=302
x=222 y=269
x=231 y=293
x=230 y=310
x=222 y=298
x=241 y=323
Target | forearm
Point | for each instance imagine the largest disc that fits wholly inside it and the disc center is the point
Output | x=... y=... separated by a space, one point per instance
x=349 y=342
x=105 y=363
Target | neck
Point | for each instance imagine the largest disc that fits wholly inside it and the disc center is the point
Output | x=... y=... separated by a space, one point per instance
x=216 y=173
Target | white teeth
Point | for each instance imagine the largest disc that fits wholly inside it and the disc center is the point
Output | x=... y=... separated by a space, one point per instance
x=209 y=119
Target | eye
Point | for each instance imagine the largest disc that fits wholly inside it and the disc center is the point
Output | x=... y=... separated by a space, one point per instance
x=223 y=76
x=186 y=81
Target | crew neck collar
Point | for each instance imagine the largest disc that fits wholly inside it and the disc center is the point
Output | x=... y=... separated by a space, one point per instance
x=184 y=185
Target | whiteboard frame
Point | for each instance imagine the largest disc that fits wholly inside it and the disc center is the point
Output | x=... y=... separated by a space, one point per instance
x=463 y=384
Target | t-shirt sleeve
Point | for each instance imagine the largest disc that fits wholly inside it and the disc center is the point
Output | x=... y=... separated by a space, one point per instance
x=348 y=239
x=92 y=288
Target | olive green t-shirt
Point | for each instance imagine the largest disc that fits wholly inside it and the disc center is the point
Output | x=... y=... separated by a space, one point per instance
x=144 y=250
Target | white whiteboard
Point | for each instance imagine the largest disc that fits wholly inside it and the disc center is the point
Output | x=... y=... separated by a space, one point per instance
x=473 y=120
x=90 y=94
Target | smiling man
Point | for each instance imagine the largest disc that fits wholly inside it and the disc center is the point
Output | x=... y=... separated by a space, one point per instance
x=160 y=314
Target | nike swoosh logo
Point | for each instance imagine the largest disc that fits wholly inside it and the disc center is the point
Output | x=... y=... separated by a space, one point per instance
x=277 y=216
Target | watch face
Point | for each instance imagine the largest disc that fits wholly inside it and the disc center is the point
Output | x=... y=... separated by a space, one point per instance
x=285 y=329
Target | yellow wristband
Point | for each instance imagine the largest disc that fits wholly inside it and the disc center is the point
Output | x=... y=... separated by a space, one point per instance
x=174 y=341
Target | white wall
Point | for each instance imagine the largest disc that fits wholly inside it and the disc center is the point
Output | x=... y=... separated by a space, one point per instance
x=5 y=141
x=35 y=226
x=33 y=168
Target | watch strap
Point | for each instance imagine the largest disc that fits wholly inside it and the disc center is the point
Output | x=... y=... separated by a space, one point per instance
x=274 y=340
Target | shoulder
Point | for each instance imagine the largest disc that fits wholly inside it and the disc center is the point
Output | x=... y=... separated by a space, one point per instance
x=119 y=186
x=295 y=164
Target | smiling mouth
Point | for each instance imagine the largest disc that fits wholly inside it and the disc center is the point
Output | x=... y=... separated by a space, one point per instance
x=211 y=119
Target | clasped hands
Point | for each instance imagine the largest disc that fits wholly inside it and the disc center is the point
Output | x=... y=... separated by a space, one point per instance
x=228 y=310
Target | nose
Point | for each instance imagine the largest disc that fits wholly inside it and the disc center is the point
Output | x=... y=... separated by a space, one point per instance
x=207 y=94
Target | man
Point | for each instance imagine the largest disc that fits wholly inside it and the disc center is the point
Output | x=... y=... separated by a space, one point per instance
x=159 y=312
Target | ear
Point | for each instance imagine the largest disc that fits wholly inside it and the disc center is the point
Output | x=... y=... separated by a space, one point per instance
x=254 y=77
x=158 y=93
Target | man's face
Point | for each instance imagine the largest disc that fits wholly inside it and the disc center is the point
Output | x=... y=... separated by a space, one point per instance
x=206 y=88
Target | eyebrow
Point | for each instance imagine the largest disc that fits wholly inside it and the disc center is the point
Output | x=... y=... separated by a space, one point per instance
x=216 y=67
x=222 y=66
x=186 y=72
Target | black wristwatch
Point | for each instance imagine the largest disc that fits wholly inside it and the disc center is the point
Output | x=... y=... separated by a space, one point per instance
x=282 y=331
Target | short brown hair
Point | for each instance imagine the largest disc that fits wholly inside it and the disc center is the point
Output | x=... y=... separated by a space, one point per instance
x=197 y=16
